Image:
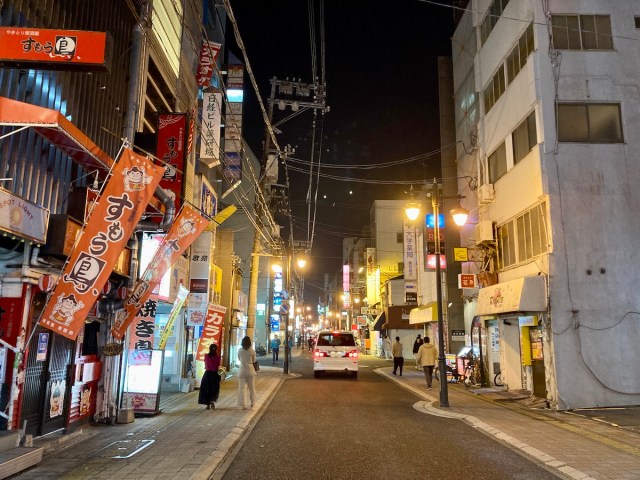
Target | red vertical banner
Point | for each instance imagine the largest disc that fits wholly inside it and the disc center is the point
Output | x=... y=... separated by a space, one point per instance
x=212 y=331
x=119 y=208
x=188 y=225
x=206 y=65
x=171 y=150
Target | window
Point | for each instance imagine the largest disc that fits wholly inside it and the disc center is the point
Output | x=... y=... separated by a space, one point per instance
x=589 y=122
x=582 y=32
x=495 y=11
x=524 y=138
x=497 y=163
x=336 y=339
x=523 y=238
x=637 y=21
x=518 y=56
x=494 y=90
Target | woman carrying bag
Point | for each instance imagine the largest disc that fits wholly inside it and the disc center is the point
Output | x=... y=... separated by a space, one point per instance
x=246 y=373
x=210 y=384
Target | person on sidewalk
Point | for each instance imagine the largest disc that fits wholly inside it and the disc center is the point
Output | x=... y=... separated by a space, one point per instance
x=386 y=348
x=246 y=373
x=416 y=346
x=398 y=359
x=290 y=342
x=210 y=384
x=275 y=348
x=427 y=357
x=311 y=343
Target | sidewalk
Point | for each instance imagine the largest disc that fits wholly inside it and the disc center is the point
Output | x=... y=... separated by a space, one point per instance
x=573 y=446
x=188 y=441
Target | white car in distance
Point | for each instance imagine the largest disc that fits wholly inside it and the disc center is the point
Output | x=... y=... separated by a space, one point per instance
x=335 y=351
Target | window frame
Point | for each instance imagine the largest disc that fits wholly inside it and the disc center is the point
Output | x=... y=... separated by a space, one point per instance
x=582 y=36
x=587 y=118
x=522 y=238
x=531 y=137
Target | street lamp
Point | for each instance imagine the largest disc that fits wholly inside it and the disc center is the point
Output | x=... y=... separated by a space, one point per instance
x=460 y=217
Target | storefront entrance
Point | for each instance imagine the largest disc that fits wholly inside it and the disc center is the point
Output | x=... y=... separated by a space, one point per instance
x=537 y=363
x=46 y=384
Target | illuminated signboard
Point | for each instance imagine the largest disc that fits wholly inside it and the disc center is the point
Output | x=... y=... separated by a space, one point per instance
x=57 y=49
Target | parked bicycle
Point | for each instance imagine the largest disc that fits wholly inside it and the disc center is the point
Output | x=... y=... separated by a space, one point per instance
x=497 y=379
x=472 y=373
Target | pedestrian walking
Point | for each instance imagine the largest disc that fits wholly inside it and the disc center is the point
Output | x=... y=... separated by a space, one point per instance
x=416 y=347
x=311 y=343
x=210 y=384
x=246 y=373
x=386 y=348
x=398 y=359
x=426 y=357
x=275 y=348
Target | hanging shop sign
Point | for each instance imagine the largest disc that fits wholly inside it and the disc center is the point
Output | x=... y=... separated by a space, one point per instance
x=188 y=225
x=22 y=218
x=144 y=325
x=54 y=49
x=206 y=65
x=467 y=280
x=122 y=203
x=410 y=257
x=210 y=128
x=112 y=349
x=170 y=149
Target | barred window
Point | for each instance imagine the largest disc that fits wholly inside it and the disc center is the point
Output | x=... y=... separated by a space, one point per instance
x=582 y=32
x=522 y=238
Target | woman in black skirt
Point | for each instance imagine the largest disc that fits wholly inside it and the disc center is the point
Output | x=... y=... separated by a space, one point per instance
x=210 y=384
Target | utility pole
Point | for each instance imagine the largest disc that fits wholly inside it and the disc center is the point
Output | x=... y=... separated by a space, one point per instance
x=299 y=97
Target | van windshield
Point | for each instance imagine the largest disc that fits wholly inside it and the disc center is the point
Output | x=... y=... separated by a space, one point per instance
x=336 y=340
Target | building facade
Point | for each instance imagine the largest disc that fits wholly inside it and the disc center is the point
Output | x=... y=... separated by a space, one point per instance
x=545 y=106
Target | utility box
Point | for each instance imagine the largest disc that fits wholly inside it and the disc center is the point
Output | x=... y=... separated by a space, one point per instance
x=484 y=232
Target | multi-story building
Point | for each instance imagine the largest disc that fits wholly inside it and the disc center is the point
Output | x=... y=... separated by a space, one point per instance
x=546 y=98
x=66 y=111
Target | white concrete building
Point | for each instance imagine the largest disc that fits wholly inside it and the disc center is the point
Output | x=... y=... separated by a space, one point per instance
x=547 y=108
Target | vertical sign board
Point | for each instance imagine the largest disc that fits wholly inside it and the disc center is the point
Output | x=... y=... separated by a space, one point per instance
x=211 y=333
x=171 y=150
x=143 y=333
x=232 y=168
x=206 y=65
x=210 y=128
x=10 y=320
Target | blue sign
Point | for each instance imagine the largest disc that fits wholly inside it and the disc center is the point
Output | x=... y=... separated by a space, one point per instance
x=431 y=220
x=284 y=309
x=43 y=343
x=275 y=323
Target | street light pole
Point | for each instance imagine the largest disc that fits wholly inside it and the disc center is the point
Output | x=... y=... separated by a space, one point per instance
x=442 y=367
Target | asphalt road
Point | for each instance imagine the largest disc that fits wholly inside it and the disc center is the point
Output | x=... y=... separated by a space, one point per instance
x=337 y=427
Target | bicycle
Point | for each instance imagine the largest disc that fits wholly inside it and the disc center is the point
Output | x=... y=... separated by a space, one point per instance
x=471 y=374
x=497 y=380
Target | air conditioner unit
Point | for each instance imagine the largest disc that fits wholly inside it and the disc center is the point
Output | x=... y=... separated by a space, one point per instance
x=484 y=232
x=486 y=194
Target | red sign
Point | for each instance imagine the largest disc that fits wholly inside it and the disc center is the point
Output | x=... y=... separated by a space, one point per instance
x=431 y=262
x=208 y=55
x=170 y=149
x=60 y=48
x=10 y=321
x=467 y=280
x=212 y=331
x=122 y=203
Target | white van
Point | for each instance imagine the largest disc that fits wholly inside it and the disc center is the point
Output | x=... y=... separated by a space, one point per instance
x=335 y=351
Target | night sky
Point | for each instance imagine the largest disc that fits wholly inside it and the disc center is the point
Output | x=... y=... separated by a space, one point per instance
x=381 y=77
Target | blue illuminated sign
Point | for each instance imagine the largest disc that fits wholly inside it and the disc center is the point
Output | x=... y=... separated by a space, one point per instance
x=430 y=220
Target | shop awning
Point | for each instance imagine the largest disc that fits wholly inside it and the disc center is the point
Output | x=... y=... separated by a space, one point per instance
x=424 y=314
x=525 y=294
x=63 y=134
x=379 y=321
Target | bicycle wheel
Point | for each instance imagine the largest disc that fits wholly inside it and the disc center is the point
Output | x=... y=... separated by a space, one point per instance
x=497 y=380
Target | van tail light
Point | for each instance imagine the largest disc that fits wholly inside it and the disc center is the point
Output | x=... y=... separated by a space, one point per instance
x=352 y=354
x=319 y=353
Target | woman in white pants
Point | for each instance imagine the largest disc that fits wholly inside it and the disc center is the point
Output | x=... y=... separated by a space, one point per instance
x=246 y=373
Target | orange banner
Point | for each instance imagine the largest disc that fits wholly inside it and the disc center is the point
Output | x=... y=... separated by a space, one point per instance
x=188 y=225
x=212 y=331
x=119 y=208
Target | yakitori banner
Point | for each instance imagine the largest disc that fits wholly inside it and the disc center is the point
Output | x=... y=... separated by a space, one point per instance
x=188 y=225
x=119 y=208
x=212 y=331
